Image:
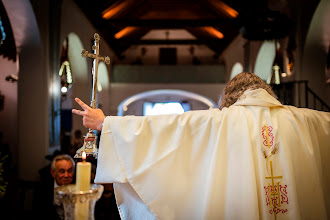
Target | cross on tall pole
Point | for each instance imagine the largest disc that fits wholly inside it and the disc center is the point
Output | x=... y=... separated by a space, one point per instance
x=90 y=139
x=96 y=56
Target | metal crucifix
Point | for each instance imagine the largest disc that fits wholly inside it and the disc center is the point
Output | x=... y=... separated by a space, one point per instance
x=90 y=139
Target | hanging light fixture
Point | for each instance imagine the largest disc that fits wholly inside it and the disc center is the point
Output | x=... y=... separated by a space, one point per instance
x=66 y=77
x=65 y=70
x=265 y=25
x=277 y=68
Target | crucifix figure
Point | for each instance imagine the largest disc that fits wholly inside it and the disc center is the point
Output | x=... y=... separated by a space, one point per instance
x=89 y=145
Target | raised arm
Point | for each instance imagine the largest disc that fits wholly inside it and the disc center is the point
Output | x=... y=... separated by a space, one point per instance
x=92 y=118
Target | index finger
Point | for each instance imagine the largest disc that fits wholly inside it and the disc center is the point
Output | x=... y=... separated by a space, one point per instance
x=82 y=104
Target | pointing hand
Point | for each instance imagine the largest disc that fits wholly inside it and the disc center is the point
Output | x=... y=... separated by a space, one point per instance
x=92 y=118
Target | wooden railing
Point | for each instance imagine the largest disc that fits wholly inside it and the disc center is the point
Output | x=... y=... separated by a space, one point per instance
x=298 y=93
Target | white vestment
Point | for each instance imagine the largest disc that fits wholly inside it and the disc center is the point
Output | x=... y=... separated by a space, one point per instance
x=257 y=159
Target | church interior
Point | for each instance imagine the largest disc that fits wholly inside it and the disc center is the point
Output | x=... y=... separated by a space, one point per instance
x=161 y=51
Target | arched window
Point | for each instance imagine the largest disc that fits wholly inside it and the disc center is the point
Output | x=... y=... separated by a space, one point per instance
x=103 y=77
x=265 y=60
x=78 y=64
x=237 y=68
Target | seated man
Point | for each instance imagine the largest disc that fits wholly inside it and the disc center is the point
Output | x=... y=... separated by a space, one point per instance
x=62 y=170
x=253 y=158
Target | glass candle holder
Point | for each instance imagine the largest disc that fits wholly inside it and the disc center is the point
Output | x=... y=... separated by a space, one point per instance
x=78 y=205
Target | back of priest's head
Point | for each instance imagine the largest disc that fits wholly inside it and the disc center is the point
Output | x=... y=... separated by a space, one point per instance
x=238 y=85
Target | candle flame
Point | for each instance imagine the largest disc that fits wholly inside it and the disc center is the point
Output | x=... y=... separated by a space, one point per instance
x=83 y=155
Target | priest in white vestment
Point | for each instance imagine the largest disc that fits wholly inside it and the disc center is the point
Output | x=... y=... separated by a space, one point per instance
x=253 y=159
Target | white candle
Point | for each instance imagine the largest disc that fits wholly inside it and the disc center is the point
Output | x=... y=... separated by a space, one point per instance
x=83 y=180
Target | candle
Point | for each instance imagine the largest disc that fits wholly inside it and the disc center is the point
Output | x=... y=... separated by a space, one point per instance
x=83 y=179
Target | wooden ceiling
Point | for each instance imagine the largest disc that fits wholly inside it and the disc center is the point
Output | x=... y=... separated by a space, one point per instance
x=214 y=23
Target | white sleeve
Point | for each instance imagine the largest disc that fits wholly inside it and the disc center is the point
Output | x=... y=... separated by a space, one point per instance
x=109 y=168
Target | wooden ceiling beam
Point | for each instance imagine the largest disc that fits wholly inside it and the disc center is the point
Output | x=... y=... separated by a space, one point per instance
x=169 y=23
x=166 y=42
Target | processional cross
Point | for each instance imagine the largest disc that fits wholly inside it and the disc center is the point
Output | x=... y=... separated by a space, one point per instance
x=90 y=139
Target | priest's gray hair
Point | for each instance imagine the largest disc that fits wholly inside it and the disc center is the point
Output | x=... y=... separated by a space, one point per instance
x=61 y=157
x=238 y=85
